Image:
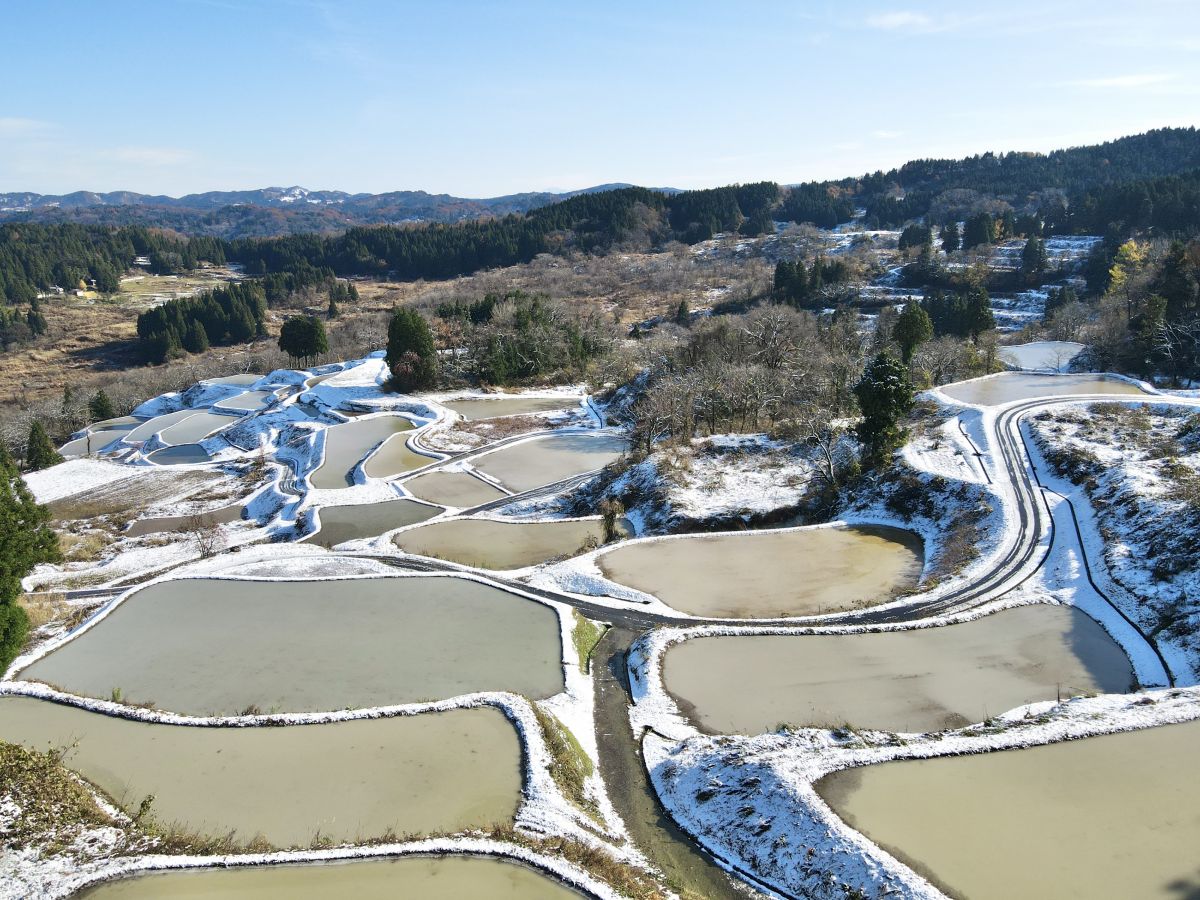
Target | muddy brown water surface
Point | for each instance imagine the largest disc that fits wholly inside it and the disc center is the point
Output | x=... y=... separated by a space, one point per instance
x=1012 y=386
x=403 y=878
x=453 y=489
x=473 y=409
x=767 y=574
x=925 y=679
x=204 y=647
x=158 y=524
x=488 y=544
x=1116 y=816
x=350 y=523
x=544 y=460
x=395 y=457
x=343 y=781
x=346 y=445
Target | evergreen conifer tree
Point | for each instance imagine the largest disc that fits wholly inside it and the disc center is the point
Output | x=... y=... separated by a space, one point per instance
x=25 y=540
x=39 y=452
x=100 y=407
x=411 y=356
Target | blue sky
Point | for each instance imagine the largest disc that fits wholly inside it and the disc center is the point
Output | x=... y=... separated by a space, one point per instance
x=487 y=98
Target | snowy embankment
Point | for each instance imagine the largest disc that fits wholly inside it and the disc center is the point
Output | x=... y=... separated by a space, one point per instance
x=1133 y=476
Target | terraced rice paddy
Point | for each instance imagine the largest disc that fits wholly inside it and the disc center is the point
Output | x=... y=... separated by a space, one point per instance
x=453 y=489
x=1116 y=816
x=342 y=781
x=543 y=460
x=1008 y=387
x=406 y=878
x=220 y=647
x=925 y=679
x=473 y=409
x=765 y=574
x=350 y=523
x=346 y=446
x=488 y=544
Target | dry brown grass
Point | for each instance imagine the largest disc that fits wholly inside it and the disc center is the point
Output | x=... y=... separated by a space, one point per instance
x=42 y=609
x=87 y=546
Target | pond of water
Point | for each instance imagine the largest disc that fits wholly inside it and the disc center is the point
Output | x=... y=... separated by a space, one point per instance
x=543 y=460
x=195 y=427
x=350 y=523
x=184 y=454
x=150 y=427
x=94 y=442
x=453 y=489
x=343 y=781
x=926 y=679
x=248 y=401
x=157 y=524
x=1116 y=816
x=219 y=647
x=500 y=545
x=765 y=574
x=403 y=878
x=393 y=458
x=246 y=378
x=1053 y=356
x=473 y=409
x=346 y=445
x=1008 y=387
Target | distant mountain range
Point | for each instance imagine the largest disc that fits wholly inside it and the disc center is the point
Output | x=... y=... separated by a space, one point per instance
x=269 y=211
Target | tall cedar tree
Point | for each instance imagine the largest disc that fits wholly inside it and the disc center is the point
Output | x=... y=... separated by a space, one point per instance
x=39 y=452
x=25 y=540
x=884 y=394
x=912 y=329
x=411 y=356
x=951 y=240
x=100 y=407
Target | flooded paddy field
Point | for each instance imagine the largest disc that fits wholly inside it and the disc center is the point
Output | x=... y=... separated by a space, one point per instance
x=247 y=401
x=1115 y=816
x=342 y=781
x=926 y=679
x=149 y=427
x=346 y=445
x=96 y=440
x=184 y=454
x=488 y=544
x=244 y=380
x=351 y=523
x=1053 y=356
x=394 y=457
x=766 y=574
x=404 y=878
x=473 y=409
x=206 y=647
x=544 y=460
x=1008 y=387
x=453 y=489
x=158 y=524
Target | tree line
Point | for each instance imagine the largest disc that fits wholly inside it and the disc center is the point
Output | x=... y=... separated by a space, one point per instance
x=233 y=314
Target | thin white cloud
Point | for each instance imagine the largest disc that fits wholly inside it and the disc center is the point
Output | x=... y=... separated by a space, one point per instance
x=885 y=135
x=16 y=126
x=1145 y=79
x=901 y=19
